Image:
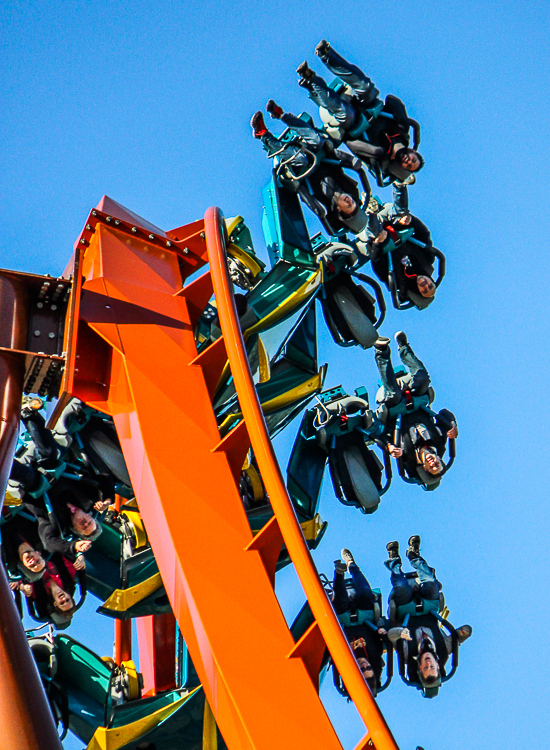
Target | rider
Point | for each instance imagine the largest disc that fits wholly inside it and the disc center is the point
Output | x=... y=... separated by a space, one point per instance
x=424 y=434
x=386 y=140
x=424 y=645
x=412 y=264
x=357 y=619
x=336 y=196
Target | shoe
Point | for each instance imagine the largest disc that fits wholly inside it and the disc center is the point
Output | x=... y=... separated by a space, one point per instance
x=340 y=567
x=382 y=343
x=393 y=550
x=304 y=71
x=401 y=339
x=274 y=110
x=258 y=125
x=347 y=557
x=414 y=547
x=322 y=48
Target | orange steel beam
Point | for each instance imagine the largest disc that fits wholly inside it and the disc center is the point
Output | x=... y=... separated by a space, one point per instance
x=123 y=640
x=282 y=506
x=137 y=360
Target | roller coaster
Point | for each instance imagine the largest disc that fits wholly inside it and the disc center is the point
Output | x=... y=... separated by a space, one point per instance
x=151 y=353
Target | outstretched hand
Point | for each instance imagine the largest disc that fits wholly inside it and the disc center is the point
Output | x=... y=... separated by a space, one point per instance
x=382 y=631
x=82 y=546
x=405 y=635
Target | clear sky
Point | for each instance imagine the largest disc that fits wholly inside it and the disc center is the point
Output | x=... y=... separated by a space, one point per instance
x=150 y=103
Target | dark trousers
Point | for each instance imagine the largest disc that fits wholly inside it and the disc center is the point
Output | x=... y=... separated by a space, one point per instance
x=361 y=84
x=420 y=378
x=364 y=598
x=404 y=589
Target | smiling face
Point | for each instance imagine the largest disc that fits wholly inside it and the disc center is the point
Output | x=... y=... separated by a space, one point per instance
x=61 y=599
x=431 y=462
x=345 y=204
x=426 y=286
x=409 y=160
x=30 y=558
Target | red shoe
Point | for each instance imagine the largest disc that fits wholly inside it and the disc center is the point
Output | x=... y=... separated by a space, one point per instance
x=258 y=125
x=274 y=110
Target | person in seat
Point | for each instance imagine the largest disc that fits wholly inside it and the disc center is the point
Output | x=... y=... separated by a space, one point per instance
x=361 y=627
x=384 y=144
x=335 y=196
x=389 y=229
x=52 y=596
x=423 y=434
x=423 y=645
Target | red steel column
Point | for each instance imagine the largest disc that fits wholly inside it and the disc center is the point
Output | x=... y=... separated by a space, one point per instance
x=27 y=722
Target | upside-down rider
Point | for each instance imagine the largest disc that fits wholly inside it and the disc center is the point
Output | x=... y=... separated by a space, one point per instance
x=389 y=229
x=414 y=619
x=357 y=618
x=422 y=434
x=336 y=196
x=380 y=142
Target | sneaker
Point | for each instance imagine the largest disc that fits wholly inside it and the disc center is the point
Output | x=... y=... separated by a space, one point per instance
x=304 y=71
x=274 y=110
x=322 y=48
x=258 y=125
x=393 y=550
x=347 y=557
x=382 y=342
x=414 y=547
x=401 y=338
x=340 y=567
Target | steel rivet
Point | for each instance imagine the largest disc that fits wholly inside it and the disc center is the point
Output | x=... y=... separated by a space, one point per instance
x=202 y=235
x=168 y=244
x=185 y=250
x=82 y=241
x=37 y=333
x=51 y=335
x=134 y=230
x=40 y=304
x=53 y=307
x=108 y=218
x=94 y=213
x=117 y=222
x=151 y=236
x=89 y=227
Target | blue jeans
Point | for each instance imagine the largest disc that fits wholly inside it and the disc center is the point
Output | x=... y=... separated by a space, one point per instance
x=420 y=380
x=404 y=589
x=361 y=84
x=364 y=598
x=324 y=97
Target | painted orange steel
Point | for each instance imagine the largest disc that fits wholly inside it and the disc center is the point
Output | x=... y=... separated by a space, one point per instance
x=292 y=534
x=136 y=359
x=26 y=721
x=136 y=334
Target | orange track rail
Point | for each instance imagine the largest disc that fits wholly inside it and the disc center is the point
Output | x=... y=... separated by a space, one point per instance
x=137 y=360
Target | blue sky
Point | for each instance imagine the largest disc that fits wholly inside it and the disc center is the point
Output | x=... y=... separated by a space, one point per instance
x=150 y=104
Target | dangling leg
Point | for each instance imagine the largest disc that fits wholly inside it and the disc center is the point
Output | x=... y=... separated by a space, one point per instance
x=349 y=73
x=341 y=597
x=392 y=392
x=402 y=592
x=324 y=97
x=429 y=585
x=421 y=379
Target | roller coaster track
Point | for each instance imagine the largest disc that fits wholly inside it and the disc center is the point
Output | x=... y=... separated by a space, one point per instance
x=133 y=355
